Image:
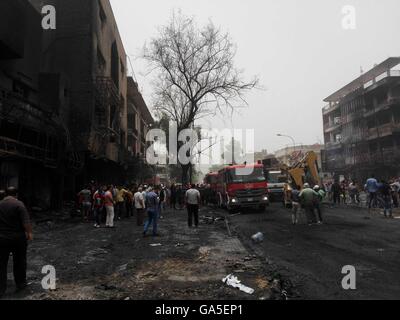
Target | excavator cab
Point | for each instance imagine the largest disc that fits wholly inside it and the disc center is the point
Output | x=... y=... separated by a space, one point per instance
x=304 y=171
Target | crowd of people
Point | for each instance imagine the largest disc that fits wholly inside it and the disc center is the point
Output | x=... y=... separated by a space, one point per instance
x=310 y=200
x=381 y=194
x=98 y=203
x=105 y=204
x=374 y=193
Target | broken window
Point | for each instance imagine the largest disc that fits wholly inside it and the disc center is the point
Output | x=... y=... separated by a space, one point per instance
x=102 y=14
x=101 y=62
x=122 y=69
x=115 y=64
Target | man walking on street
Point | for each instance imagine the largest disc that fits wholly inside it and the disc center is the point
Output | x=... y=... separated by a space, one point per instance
x=139 y=206
x=372 y=188
x=98 y=206
x=120 y=201
x=163 y=198
x=308 y=198
x=318 y=203
x=15 y=231
x=336 y=191
x=109 y=204
x=173 y=197
x=129 y=203
x=386 y=191
x=152 y=202
x=193 y=200
x=85 y=200
x=296 y=208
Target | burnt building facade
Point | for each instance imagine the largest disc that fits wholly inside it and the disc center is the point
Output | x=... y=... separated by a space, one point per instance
x=140 y=121
x=32 y=137
x=362 y=125
x=71 y=86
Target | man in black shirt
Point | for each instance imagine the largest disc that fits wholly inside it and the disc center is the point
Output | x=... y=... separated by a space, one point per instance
x=386 y=192
x=15 y=231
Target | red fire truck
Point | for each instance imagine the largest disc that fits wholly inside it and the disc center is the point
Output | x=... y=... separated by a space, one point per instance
x=240 y=186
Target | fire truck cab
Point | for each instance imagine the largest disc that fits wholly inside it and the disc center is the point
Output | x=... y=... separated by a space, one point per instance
x=242 y=186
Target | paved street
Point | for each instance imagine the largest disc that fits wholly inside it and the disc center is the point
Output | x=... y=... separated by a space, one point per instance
x=301 y=262
x=120 y=264
x=313 y=257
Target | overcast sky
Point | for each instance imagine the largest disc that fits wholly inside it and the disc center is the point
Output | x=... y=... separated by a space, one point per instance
x=298 y=48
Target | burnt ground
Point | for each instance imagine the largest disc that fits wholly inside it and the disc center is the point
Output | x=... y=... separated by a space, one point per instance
x=120 y=264
x=313 y=257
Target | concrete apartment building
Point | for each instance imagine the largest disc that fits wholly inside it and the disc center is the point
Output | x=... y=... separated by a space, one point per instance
x=63 y=99
x=31 y=135
x=362 y=125
x=140 y=120
x=86 y=52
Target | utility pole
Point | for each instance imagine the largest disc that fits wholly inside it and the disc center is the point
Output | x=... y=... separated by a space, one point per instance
x=233 y=151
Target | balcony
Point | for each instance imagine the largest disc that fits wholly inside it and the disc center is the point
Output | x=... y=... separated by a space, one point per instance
x=329 y=108
x=382 y=106
x=379 y=79
x=333 y=145
x=335 y=125
x=382 y=131
x=112 y=152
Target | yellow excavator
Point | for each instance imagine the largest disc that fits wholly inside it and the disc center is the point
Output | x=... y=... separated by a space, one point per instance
x=304 y=171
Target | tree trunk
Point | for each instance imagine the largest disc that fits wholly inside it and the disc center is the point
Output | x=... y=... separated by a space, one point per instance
x=185 y=171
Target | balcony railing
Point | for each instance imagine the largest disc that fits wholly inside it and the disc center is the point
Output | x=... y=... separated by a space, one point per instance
x=391 y=73
x=333 y=144
x=330 y=107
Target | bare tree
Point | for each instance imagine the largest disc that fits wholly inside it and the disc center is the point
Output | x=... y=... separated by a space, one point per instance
x=196 y=76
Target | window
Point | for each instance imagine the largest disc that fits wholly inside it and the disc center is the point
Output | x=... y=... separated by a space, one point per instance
x=122 y=69
x=115 y=64
x=102 y=13
x=256 y=176
x=101 y=62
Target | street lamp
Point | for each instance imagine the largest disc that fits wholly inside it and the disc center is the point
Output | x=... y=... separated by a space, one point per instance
x=291 y=138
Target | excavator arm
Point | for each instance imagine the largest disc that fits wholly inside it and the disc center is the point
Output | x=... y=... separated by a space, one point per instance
x=306 y=170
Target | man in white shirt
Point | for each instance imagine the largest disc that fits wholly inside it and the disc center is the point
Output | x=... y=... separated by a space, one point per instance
x=193 y=200
x=139 y=206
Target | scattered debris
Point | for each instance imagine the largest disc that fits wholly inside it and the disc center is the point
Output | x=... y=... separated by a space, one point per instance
x=106 y=287
x=156 y=245
x=211 y=219
x=262 y=283
x=234 y=282
x=236 y=214
x=258 y=237
x=122 y=268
